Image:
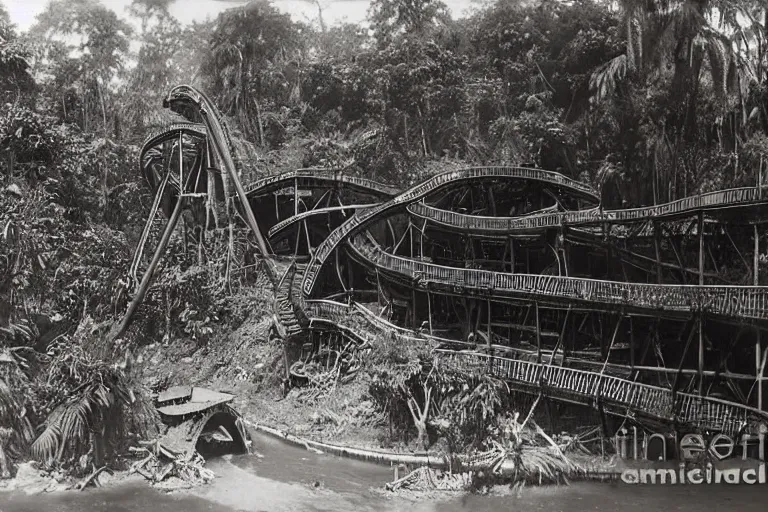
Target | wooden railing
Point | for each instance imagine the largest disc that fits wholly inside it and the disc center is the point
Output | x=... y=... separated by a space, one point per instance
x=710 y=200
x=196 y=129
x=732 y=301
x=218 y=133
x=171 y=131
x=331 y=175
x=309 y=213
x=662 y=403
x=361 y=219
x=565 y=382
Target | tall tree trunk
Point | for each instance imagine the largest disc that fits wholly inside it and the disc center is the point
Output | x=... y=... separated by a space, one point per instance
x=259 y=124
x=421 y=415
x=11 y=161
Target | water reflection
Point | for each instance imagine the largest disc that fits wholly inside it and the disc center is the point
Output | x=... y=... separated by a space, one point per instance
x=282 y=478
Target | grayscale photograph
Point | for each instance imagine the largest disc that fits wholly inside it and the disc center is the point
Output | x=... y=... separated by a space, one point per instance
x=383 y=255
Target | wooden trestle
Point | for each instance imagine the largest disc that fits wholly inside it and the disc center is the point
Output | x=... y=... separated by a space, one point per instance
x=521 y=273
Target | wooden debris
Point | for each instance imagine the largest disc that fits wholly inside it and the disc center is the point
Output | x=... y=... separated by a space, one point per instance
x=161 y=463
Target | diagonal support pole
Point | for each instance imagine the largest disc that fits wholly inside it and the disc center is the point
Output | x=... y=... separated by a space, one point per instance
x=149 y=274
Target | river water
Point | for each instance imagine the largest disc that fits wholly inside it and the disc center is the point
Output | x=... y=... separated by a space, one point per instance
x=282 y=478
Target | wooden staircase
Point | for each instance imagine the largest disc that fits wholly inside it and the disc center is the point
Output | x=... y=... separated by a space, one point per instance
x=289 y=313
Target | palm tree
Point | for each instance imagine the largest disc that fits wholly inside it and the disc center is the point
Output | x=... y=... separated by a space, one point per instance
x=245 y=44
x=668 y=42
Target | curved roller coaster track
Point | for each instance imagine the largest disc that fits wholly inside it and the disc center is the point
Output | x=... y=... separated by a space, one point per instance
x=650 y=314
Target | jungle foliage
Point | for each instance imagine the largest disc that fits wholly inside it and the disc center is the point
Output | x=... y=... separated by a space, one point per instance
x=648 y=100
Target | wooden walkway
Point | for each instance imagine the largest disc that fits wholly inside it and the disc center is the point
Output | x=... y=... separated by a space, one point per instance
x=622 y=395
x=742 y=302
x=712 y=201
x=440 y=181
x=319 y=177
x=284 y=224
x=618 y=395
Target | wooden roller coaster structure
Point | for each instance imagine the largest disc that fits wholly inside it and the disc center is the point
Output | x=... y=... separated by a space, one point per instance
x=652 y=313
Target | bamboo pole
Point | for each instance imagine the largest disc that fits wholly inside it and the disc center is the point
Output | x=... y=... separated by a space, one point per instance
x=182 y=185
x=488 y=307
x=421 y=239
x=147 y=278
x=676 y=383
x=405 y=233
x=647 y=348
x=512 y=254
x=700 y=370
x=758 y=344
x=565 y=251
x=657 y=247
x=429 y=305
x=631 y=345
x=701 y=248
x=148 y=227
x=296 y=196
x=561 y=339
x=309 y=242
x=410 y=232
x=277 y=208
x=538 y=334
x=613 y=340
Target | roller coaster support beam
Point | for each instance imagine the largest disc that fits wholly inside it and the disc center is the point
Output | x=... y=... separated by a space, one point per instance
x=631 y=345
x=147 y=278
x=657 y=247
x=700 y=370
x=429 y=305
x=538 y=334
x=561 y=339
x=490 y=332
x=701 y=248
x=759 y=360
x=676 y=383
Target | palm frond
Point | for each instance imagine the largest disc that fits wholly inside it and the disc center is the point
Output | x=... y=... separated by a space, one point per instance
x=47 y=443
x=606 y=78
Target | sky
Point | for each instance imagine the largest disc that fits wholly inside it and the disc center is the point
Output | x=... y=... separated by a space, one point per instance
x=23 y=12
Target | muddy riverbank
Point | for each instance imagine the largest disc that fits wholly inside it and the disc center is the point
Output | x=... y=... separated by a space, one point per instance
x=285 y=478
